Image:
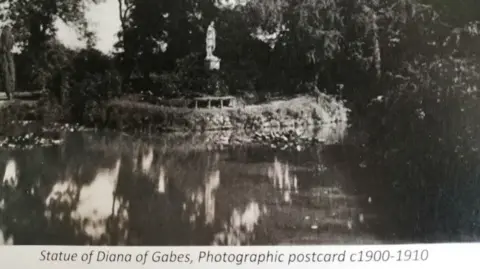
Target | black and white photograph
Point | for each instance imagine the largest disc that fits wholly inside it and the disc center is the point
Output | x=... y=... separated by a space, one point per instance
x=239 y=122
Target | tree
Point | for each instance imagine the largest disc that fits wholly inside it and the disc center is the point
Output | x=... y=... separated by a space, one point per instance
x=33 y=21
x=456 y=13
x=33 y=25
x=156 y=34
x=7 y=62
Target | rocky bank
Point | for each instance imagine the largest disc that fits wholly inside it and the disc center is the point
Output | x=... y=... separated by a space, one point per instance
x=297 y=112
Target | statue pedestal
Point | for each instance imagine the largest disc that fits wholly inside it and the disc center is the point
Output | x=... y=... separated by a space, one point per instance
x=212 y=63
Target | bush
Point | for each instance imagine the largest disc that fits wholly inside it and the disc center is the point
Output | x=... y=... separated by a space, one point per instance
x=37 y=70
x=423 y=164
x=92 y=81
x=188 y=78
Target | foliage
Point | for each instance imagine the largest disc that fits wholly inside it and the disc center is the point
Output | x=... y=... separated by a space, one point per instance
x=7 y=75
x=188 y=77
x=93 y=80
x=151 y=44
x=78 y=82
x=408 y=68
x=40 y=72
x=34 y=21
x=34 y=30
x=130 y=116
x=424 y=137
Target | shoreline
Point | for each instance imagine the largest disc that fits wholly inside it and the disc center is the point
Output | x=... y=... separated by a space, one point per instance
x=283 y=120
x=302 y=111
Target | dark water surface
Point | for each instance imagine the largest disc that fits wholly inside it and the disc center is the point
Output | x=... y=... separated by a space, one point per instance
x=122 y=190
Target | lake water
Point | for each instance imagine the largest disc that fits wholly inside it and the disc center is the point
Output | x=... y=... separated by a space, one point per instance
x=98 y=188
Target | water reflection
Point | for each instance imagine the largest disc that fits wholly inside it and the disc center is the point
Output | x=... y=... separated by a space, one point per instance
x=282 y=179
x=10 y=177
x=241 y=226
x=161 y=180
x=119 y=190
x=96 y=202
x=203 y=199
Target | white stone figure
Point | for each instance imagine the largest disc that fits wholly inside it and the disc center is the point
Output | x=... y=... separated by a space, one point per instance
x=211 y=39
x=212 y=61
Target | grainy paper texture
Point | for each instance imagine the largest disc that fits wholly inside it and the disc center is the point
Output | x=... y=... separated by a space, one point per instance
x=232 y=123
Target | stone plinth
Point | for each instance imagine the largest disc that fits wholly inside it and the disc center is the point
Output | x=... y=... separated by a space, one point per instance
x=212 y=63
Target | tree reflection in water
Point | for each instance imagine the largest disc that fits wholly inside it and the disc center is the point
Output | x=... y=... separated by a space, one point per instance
x=109 y=197
x=117 y=190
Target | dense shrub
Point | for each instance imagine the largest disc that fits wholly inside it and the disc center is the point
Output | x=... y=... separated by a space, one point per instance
x=37 y=69
x=91 y=82
x=423 y=156
x=77 y=83
x=7 y=62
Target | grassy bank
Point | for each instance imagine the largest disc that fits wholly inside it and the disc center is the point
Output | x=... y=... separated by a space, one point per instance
x=300 y=111
x=293 y=123
x=132 y=116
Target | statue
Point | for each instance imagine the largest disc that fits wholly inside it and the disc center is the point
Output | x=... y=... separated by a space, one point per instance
x=211 y=39
x=212 y=61
x=7 y=75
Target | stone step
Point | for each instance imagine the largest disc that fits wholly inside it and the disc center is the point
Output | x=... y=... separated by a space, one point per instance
x=23 y=95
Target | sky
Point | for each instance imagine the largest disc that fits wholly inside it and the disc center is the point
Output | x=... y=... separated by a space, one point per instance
x=105 y=22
